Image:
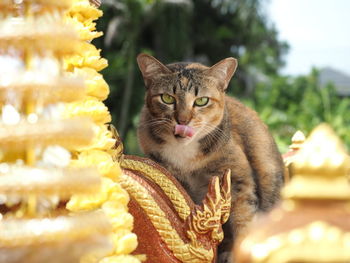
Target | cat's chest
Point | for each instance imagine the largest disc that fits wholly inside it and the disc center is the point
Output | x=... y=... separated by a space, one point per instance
x=181 y=155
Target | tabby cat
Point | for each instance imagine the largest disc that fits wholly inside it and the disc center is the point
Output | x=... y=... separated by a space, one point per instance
x=189 y=126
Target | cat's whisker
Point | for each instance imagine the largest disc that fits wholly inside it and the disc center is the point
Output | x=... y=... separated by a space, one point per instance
x=163 y=127
x=222 y=133
x=209 y=137
x=154 y=123
x=209 y=128
x=194 y=136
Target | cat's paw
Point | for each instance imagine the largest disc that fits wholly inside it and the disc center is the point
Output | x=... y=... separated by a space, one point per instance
x=225 y=257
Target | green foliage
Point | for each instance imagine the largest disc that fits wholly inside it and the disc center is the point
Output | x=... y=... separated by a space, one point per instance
x=289 y=104
x=208 y=31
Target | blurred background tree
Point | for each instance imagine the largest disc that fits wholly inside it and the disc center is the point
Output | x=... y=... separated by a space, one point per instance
x=207 y=31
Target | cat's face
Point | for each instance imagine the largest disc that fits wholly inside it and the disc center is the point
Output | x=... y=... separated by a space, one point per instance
x=185 y=100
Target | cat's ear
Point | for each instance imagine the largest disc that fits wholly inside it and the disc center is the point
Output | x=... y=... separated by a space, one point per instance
x=151 y=68
x=223 y=71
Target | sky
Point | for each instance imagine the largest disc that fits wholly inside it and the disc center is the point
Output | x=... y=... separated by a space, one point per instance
x=318 y=32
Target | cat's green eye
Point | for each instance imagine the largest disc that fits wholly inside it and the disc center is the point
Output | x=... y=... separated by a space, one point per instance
x=202 y=101
x=167 y=99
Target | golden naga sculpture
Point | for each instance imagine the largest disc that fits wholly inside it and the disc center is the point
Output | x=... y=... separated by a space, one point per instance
x=312 y=224
x=169 y=226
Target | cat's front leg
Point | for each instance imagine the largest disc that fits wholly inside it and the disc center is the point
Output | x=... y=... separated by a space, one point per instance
x=225 y=247
x=243 y=209
x=225 y=257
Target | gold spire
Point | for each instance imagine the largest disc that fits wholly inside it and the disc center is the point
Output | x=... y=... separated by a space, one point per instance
x=320 y=168
x=297 y=140
x=312 y=222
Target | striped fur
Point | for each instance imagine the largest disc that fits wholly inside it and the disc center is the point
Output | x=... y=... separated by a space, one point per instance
x=228 y=136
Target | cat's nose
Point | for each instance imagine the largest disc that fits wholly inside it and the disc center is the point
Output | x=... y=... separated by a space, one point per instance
x=183 y=120
x=183 y=117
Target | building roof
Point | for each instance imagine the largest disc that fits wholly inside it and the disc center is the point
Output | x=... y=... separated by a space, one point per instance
x=340 y=80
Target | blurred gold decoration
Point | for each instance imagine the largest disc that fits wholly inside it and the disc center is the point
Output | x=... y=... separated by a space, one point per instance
x=20 y=7
x=50 y=89
x=41 y=137
x=321 y=162
x=33 y=232
x=53 y=239
x=111 y=197
x=297 y=141
x=315 y=242
x=312 y=222
x=69 y=133
x=63 y=182
x=46 y=32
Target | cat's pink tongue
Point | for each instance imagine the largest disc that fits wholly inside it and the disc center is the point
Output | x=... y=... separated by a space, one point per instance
x=184 y=130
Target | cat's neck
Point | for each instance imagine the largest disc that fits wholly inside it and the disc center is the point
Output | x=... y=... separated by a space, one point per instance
x=218 y=137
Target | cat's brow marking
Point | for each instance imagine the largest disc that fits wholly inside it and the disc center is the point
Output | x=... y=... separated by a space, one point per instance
x=178 y=85
x=196 y=91
x=189 y=85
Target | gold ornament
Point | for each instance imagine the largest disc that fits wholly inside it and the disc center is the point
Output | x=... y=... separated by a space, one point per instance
x=198 y=222
x=312 y=222
x=322 y=161
x=179 y=202
x=38 y=145
x=111 y=198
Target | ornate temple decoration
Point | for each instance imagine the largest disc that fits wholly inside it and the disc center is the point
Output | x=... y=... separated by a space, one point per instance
x=297 y=141
x=159 y=176
x=312 y=223
x=214 y=211
x=38 y=143
x=111 y=198
x=170 y=227
x=59 y=196
x=322 y=160
x=165 y=214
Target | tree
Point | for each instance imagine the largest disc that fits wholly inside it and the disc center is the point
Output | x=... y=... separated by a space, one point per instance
x=287 y=104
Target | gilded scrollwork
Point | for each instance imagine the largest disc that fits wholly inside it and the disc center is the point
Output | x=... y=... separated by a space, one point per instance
x=191 y=252
x=204 y=220
x=164 y=183
x=214 y=211
x=226 y=197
